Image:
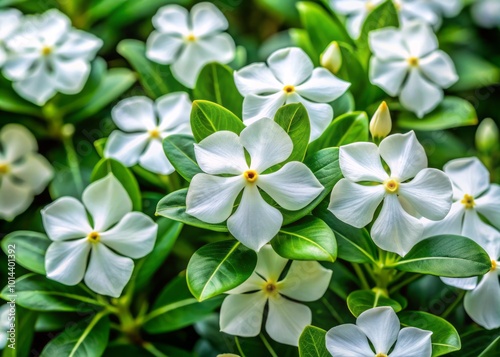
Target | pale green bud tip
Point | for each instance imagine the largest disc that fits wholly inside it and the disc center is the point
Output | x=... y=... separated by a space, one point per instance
x=67 y=130
x=487 y=135
x=227 y=355
x=331 y=58
x=381 y=123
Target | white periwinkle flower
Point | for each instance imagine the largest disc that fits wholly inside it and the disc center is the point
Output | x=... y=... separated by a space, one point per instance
x=23 y=172
x=255 y=222
x=408 y=63
x=114 y=229
x=486 y=13
x=188 y=41
x=356 y=12
x=10 y=19
x=143 y=125
x=447 y=8
x=410 y=190
x=289 y=77
x=375 y=333
x=47 y=56
x=242 y=311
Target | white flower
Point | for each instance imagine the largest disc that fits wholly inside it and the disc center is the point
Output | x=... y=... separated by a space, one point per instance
x=113 y=229
x=356 y=12
x=255 y=222
x=407 y=63
x=48 y=56
x=379 y=327
x=242 y=311
x=10 y=19
x=289 y=77
x=145 y=125
x=188 y=41
x=23 y=172
x=486 y=13
x=448 y=8
x=410 y=190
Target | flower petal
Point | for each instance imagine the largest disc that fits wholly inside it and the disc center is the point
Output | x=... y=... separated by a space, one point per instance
x=461 y=283
x=355 y=204
x=347 y=340
x=322 y=86
x=419 y=95
x=163 y=48
x=256 y=107
x=256 y=78
x=305 y=281
x=270 y=265
x=126 y=148
x=17 y=66
x=489 y=205
x=293 y=186
x=439 y=68
x=134 y=236
x=107 y=273
x=381 y=326
x=255 y=222
x=17 y=141
x=38 y=87
x=451 y=224
x=155 y=160
x=134 y=114
x=34 y=170
x=404 y=154
x=483 y=303
x=267 y=143
x=468 y=175
x=52 y=25
x=291 y=66
x=361 y=162
x=413 y=342
x=388 y=44
x=172 y=19
x=476 y=229
x=419 y=38
x=107 y=201
x=14 y=198
x=174 y=110
x=241 y=315
x=211 y=198
x=65 y=218
x=79 y=44
x=286 y=320
x=70 y=75
x=66 y=262
x=253 y=283
x=207 y=19
x=388 y=75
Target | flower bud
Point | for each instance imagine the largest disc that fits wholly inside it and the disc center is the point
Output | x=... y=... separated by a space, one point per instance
x=227 y=355
x=381 y=124
x=487 y=135
x=331 y=58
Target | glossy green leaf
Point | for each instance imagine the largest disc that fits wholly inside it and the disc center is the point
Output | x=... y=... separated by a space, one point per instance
x=493 y=350
x=353 y=72
x=476 y=342
x=180 y=152
x=312 y=343
x=361 y=300
x=294 y=120
x=474 y=72
x=218 y=267
x=10 y=101
x=25 y=327
x=446 y=255
x=28 y=248
x=307 y=239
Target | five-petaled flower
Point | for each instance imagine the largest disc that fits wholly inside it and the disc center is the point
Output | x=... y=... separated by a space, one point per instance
x=242 y=311
x=255 y=222
x=114 y=234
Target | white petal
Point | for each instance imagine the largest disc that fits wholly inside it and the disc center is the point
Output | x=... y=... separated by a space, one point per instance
x=155 y=160
x=126 y=148
x=347 y=340
x=206 y=19
x=413 y=342
x=291 y=66
x=355 y=23
x=174 y=110
x=14 y=198
x=286 y=320
x=419 y=95
x=461 y=283
x=108 y=273
x=38 y=87
x=439 y=68
x=10 y=20
x=395 y=230
x=52 y=26
x=404 y=154
x=17 y=67
x=267 y=143
x=475 y=228
x=163 y=47
x=469 y=175
x=483 y=303
x=256 y=107
x=134 y=236
x=388 y=44
x=489 y=205
x=134 y=114
x=172 y=19
x=34 y=170
x=305 y=281
x=70 y=75
x=348 y=7
x=66 y=262
x=381 y=326
x=241 y=315
x=256 y=78
x=419 y=38
x=293 y=186
x=221 y=153
x=322 y=86
x=17 y=141
x=355 y=204
x=211 y=198
x=451 y=224
x=388 y=75
x=252 y=284
x=65 y=219
x=79 y=44
x=361 y=162
x=255 y=222
x=107 y=201
x=270 y=265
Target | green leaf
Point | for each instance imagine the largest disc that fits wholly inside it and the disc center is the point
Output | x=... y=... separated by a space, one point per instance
x=180 y=152
x=312 y=343
x=216 y=84
x=28 y=248
x=307 y=239
x=361 y=300
x=476 y=342
x=353 y=72
x=446 y=255
x=38 y=293
x=88 y=337
x=294 y=120
x=301 y=39
x=354 y=244
x=453 y=112
x=122 y=174
x=25 y=328
x=10 y=101
x=474 y=72
x=176 y=308
x=346 y=129
x=208 y=118
x=493 y=350
x=218 y=267
x=444 y=337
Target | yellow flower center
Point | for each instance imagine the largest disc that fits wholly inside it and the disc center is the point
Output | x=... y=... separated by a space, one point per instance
x=380 y=355
x=155 y=134
x=391 y=185
x=46 y=50
x=494 y=265
x=251 y=175
x=94 y=237
x=413 y=61
x=270 y=288
x=289 y=89
x=4 y=169
x=468 y=201
x=190 y=38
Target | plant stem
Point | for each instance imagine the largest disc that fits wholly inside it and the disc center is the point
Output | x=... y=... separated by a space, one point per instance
x=73 y=163
x=268 y=346
x=153 y=350
x=453 y=305
x=332 y=311
x=361 y=276
x=404 y=283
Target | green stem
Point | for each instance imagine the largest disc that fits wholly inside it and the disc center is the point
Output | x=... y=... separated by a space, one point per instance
x=404 y=283
x=268 y=346
x=453 y=305
x=153 y=350
x=73 y=163
x=332 y=311
x=361 y=276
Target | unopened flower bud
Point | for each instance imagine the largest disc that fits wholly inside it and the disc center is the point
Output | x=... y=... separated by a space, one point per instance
x=227 y=355
x=381 y=123
x=487 y=135
x=331 y=58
